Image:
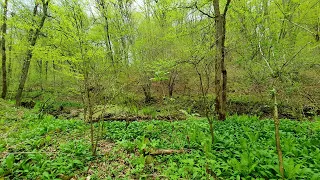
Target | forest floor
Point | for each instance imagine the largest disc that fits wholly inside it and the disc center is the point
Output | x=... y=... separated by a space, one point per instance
x=244 y=148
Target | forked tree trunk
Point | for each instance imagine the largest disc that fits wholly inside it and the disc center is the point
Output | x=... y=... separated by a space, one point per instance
x=33 y=36
x=3 y=51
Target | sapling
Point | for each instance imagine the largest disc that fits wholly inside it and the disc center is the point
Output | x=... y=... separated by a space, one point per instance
x=277 y=133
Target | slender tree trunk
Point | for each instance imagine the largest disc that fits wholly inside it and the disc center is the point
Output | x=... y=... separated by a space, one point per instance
x=54 y=74
x=46 y=69
x=220 y=68
x=277 y=135
x=104 y=13
x=40 y=74
x=33 y=36
x=3 y=51
x=9 y=76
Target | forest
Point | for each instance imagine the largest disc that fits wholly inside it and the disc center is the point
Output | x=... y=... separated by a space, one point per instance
x=160 y=89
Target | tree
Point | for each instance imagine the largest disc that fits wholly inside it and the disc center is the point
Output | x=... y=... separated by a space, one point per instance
x=3 y=50
x=220 y=68
x=33 y=36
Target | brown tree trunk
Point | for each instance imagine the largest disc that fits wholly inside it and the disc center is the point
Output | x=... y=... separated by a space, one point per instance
x=171 y=82
x=9 y=75
x=277 y=135
x=3 y=51
x=33 y=36
x=220 y=68
x=46 y=69
x=147 y=93
x=40 y=62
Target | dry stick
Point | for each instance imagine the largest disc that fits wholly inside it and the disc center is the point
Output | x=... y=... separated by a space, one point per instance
x=277 y=134
x=166 y=152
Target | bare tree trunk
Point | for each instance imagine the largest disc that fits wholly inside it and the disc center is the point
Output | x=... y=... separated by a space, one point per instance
x=25 y=69
x=54 y=74
x=220 y=68
x=46 y=69
x=10 y=64
x=277 y=135
x=104 y=9
x=40 y=62
x=90 y=112
x=147 y=92
x=33 y=36
x=3 y=51
x=171 y=82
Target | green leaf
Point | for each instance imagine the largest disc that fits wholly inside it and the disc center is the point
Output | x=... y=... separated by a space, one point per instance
x=76 y=161
x=10 y=161
x=1 y=172
x=46 y=174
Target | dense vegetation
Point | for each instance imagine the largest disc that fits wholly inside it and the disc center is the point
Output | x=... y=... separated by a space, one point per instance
x=244 y=147
x=160 y=89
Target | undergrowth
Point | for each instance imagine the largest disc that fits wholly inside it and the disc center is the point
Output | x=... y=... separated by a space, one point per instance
x=244 y=148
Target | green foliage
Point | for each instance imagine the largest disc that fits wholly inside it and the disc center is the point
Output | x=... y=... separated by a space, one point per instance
x=244 y=147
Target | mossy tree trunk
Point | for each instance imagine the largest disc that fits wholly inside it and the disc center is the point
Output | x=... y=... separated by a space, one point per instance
x=220 y=67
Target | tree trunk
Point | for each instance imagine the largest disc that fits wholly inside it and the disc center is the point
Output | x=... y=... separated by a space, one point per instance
x=33 y=36
x=40 y=74
x=104 y=13
x=171 y=83
x=3 y=51
x=220 y=68
x=25 y=70
x=147 y=93
x=277 y=135
x=46 y=69
x=9 y=75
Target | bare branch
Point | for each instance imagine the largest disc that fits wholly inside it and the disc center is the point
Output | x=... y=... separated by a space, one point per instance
x=264 y=58
x=204 y=13
x=294 y=56
x=296 y=24
x=226 y=8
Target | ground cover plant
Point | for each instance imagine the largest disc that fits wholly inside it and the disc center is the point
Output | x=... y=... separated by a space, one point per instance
x=244 y=148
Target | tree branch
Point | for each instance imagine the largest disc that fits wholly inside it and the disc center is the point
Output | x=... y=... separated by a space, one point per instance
x=204 y=13
x=294 y=56
x=226 y=8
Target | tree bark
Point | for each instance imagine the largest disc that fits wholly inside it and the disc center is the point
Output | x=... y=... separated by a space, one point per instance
x=220 y=68
x=40 y=62
x=33 y=36
x=147 y=92
x=3 y=51
x=171 y=82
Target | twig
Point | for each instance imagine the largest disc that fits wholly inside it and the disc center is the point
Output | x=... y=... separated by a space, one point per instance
x=263 y=57
x=295 y=55
x=166 y=152
x=204 y=13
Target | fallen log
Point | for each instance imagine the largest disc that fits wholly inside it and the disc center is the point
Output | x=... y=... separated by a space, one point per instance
x=139 y=118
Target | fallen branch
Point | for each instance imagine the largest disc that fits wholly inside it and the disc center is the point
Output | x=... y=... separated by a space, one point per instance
x=139 y=118
x=166 y=152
